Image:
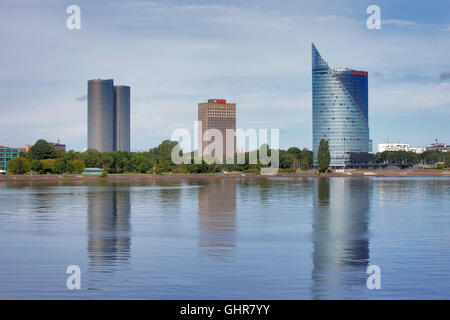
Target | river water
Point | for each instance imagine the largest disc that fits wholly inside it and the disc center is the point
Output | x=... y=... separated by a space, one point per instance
x=277 y=238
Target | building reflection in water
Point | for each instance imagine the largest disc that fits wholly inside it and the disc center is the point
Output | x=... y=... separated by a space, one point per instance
x=108 y=228
x=340 y=238
x=217 y=219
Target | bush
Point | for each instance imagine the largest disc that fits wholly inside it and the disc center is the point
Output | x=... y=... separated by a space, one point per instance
x=288 y=170
x=103 y=175
x=252 y=170
x=159 y=169
x=18 y=165
x=179 y=170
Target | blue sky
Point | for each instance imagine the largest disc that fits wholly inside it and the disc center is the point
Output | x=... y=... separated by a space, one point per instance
x=256 y=53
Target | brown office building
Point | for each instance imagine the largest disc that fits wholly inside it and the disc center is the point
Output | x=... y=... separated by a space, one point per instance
x=218 y=114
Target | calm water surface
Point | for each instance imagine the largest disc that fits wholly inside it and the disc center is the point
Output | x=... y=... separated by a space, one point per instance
x=227 y=239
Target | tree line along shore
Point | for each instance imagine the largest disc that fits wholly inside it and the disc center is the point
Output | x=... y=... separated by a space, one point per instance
x=43 y=158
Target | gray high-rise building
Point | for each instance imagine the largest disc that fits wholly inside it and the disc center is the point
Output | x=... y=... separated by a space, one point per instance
x=108 y=116
x=101 y=115
x=122 y=108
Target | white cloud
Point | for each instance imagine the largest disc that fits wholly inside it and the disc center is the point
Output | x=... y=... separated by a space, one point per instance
x=398 y=22
x=406 y=99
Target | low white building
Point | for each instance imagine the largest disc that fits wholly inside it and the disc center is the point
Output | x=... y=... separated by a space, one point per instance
x=399 y=147
x=393 y=147
x=418 y=149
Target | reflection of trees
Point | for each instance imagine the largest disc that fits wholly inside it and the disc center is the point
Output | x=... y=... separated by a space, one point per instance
x=323 y=193
x=340 y=240
x=266 y=190
x=217 y=218
x=169 y=195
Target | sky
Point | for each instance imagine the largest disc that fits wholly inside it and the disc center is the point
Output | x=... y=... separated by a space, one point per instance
x=255 y=53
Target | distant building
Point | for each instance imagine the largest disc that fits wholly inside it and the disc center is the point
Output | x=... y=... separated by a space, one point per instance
x=359 y=160
x=92 y=171
x=25 y=148
x=382 y=147
x=340 y=111
x=417 y=149
x=108 y=116
x=438 y=147
x=6 y=154
x=218 y=114
x=58 y=145
x=122 y=118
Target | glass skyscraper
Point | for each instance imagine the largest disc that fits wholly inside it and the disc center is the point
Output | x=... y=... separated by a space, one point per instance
x=340 y=110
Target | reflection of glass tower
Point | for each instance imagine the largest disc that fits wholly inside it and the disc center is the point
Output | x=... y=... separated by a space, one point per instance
x=217 y=218
x=108 y=229
x=340 y=240
x=340 y=110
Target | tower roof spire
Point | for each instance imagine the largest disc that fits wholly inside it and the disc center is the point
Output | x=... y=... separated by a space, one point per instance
x=317 y=60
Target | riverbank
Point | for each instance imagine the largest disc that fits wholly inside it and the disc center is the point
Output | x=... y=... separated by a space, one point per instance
x=169 y=176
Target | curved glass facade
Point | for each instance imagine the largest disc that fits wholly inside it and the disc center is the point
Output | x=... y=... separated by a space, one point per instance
x=340 y=110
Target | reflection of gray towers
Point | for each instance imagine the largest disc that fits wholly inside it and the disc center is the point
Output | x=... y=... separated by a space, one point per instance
x=340 y=239
x=217 y=218
x=122 y=106
x=108 y=228
x=108 y=116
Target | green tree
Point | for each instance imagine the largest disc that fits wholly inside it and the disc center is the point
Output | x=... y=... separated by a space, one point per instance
x=60 y=166
x=75 y=166
x=447 y=161
x=323 y=156
x=109 y=162
x=42 y=150
x=165 y=154
x=92 y=158
x=264 y=150
x=286 y=159
x=123 y=163
x=48 y=166
x=18 y=165
x=36 y=165
x=308 y=155
x=139 y=163
x=304 y=164
x=296 y=152
x=431 y=157
x=302 y=158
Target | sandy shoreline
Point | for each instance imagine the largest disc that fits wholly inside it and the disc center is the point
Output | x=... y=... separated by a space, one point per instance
x=307 y=174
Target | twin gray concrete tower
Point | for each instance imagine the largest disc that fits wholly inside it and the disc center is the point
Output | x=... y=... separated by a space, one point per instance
x=108 y=116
